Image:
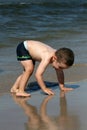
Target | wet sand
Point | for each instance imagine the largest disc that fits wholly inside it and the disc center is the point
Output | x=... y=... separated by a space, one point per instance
x=63 y=111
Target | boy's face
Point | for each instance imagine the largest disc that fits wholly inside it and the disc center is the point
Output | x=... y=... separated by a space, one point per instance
x=59 y=65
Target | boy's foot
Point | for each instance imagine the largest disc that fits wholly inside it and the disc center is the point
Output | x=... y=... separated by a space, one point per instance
x=22 y=94
x=13 y=90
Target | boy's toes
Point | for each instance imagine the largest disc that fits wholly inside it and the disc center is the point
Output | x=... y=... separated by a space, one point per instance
x=14 y=90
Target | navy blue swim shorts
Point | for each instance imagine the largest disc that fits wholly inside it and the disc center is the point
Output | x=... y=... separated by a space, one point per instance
x=22 y=53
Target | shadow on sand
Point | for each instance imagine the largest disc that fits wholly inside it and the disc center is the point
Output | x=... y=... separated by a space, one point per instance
x=33 y=86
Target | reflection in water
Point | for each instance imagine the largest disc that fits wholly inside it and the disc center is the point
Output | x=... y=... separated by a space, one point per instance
x=42 y=121
x=49 y=121
x=34 y=120
x=65 y=120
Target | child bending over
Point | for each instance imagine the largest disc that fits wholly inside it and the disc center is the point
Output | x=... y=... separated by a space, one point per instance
x=30 y=51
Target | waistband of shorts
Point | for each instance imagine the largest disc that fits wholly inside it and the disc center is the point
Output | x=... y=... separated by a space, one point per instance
x=25 y=45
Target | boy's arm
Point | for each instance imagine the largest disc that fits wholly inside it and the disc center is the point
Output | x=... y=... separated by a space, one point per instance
x=60 y=76
x=39 y=76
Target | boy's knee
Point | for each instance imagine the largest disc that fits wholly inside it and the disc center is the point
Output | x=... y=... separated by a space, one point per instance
x=29 y=70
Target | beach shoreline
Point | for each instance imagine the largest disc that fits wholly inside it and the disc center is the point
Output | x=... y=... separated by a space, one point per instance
x=10 y=72
x=68 y=106
x=63 y=110
x=58 y=24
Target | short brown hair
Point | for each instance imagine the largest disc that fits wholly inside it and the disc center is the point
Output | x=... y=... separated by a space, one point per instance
x=65 y=55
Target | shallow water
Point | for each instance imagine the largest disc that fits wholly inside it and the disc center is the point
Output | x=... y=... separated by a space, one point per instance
x=63 y=111
x=58 y=23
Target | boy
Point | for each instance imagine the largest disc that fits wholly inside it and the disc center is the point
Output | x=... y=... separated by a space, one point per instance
x=30 y=51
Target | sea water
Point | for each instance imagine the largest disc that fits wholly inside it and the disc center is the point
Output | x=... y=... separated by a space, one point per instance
x=58 y=23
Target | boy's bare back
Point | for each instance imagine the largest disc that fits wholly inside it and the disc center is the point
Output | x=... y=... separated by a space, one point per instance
x=39 y=50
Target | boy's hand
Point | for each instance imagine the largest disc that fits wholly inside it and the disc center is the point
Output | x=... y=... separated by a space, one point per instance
x=48 y=91
x=66 y=89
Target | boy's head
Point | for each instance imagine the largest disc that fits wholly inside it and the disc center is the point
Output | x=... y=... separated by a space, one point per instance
x=65 y=55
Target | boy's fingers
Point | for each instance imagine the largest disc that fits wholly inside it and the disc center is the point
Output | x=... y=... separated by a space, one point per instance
x=67 y=89
x=50 y=92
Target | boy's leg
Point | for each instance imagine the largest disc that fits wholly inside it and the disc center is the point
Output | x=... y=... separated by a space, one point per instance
x=15 y=86
x=28 y=70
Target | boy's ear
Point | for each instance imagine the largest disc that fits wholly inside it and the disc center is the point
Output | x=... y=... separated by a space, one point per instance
x=54 y=58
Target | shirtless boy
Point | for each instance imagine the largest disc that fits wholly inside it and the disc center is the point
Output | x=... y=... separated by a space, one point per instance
x=30 y=51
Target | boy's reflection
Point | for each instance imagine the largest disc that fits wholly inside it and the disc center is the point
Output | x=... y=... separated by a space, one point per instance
x=41 y=121
x=65 y=120
x=48 y=120
x=34 y=120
